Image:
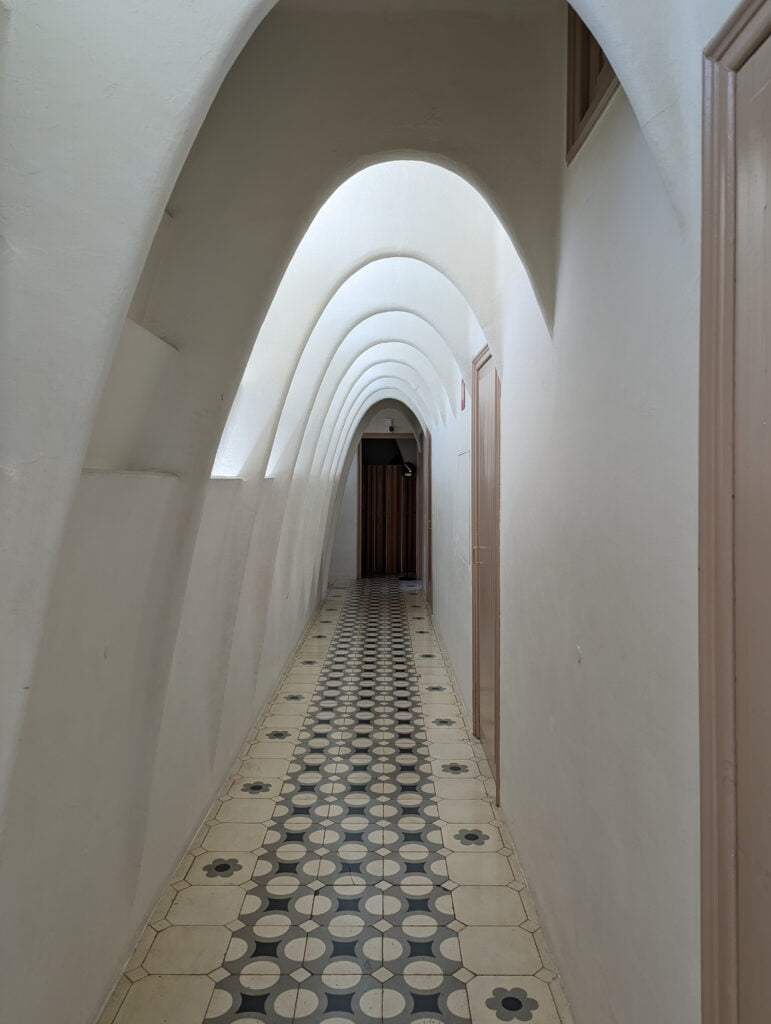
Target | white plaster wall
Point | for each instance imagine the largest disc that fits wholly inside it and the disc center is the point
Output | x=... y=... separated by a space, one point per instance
x=343 y=559
x=598 y=593
x=119 y=760
x=76 y=823
x=194 y=750
x=141 y=361
x=377 y=424
x=201 y=668
x=94 y=145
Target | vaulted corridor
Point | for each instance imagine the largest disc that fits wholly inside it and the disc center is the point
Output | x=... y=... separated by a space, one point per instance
x=300 y=291
x=355 y=867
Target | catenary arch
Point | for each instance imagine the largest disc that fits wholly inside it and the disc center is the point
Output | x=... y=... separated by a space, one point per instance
x=322 y=456
x=392 y=283
x=331 y=469
x=376 y=395
x=398 y=383
x=309 y=501
x=263 y=56
x=362 y=407
x=191 y=50
x=433 y=295
x=412 y=338
x=281 y=33
x=383 y=284
x=341 y=419
x=228 y=250
x=375 y=357
x=369 y=404
x=418 y=429
x=80 y=251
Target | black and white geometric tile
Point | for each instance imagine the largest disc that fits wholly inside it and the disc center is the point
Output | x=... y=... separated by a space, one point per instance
x=355 y=869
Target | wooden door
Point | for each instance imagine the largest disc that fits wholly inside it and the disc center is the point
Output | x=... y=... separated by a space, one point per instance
x=735 y=521
x=485 y=563
x=752 y=546
x=388 y=522
x=429 y=564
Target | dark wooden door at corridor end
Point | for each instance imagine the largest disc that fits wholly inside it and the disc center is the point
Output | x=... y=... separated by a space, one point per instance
x=485 y=520
x=388 y=518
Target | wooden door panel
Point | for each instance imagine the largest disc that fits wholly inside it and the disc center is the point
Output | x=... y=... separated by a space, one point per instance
x=484 y=552
x=752 y=544
x=485 y=533
x=388 y=522
x=429 y=555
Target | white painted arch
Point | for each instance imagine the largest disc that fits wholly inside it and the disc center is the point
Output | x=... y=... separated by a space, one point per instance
x=154 y=69
x=384 y=284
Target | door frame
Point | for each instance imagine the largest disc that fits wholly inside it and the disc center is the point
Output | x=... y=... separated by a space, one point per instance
x=480 y=360
x=394 y=436
x=745 y=31
x=428 y=583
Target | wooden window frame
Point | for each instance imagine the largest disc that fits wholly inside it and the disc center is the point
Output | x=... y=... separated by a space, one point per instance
x=591 y=83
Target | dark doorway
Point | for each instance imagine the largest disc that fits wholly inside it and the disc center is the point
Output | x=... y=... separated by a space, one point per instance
x=388 y=528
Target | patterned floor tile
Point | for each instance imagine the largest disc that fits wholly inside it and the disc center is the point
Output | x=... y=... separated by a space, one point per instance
x=511 y=998
x=175 y=999
x=363 y=877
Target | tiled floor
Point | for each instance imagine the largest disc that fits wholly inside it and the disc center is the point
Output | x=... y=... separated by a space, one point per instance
x=355 y=868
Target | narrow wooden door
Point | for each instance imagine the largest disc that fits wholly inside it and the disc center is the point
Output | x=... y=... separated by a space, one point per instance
x=429 y=569
x=485 y=567
x=388 y=522
x=752 y=544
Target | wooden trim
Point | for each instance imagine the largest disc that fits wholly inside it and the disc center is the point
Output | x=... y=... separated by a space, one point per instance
x=479 y=361
x=429 y=484
x=358 y=510
x=386 y=436
x=747 y=29
x=419 y=514
x=498 y=590
x=475 y=714
x=584 y=55
x=716 y=526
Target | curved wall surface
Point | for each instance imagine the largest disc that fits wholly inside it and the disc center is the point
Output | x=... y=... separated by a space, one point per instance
x=191 y=251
